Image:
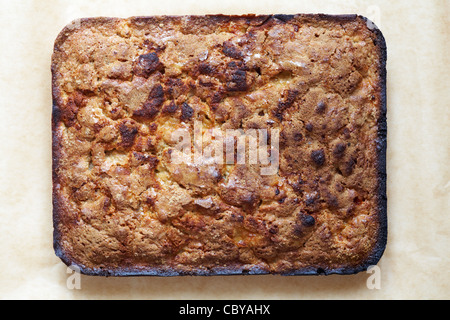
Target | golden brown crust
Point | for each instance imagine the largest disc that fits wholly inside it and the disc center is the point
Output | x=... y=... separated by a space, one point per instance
x=122 y=86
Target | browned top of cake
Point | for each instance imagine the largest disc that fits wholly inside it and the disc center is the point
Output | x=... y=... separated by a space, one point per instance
x=122 y=87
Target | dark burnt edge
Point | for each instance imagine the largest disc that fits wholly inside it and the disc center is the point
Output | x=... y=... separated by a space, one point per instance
x=56 y=151
x=260 y=19
x=381 y=142
x=161 y=271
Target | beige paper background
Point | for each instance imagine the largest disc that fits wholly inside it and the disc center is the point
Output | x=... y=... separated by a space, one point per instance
x=416 y=262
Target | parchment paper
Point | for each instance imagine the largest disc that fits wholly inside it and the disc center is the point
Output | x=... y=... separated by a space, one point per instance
x=415 y=263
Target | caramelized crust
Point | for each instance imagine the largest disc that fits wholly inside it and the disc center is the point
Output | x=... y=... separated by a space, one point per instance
x=121 y=87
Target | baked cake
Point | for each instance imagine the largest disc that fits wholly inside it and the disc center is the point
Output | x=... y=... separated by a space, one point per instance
x=315 y=85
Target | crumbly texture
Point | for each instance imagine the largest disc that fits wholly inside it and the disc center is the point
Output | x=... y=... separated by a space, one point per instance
x=121 y=87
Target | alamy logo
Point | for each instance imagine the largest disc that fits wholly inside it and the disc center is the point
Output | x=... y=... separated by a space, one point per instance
x=74 y=280
x=232 y=146
x=374 y=281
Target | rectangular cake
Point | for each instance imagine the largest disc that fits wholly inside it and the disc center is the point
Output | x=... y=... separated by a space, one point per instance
x=218 y=145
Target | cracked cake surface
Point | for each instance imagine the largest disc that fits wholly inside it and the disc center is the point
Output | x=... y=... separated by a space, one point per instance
x=122 y=87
